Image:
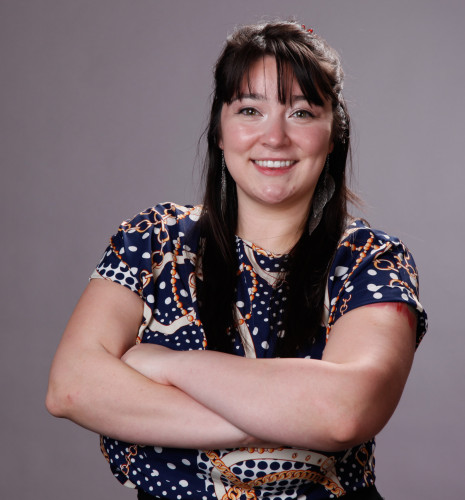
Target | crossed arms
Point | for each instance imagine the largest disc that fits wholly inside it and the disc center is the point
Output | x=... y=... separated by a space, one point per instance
x=148 y=394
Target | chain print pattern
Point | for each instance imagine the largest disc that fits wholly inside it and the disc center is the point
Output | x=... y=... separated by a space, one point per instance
x=239 y=487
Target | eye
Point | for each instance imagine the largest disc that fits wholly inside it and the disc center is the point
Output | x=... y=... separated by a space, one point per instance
x=303 y=113
x=248 y=112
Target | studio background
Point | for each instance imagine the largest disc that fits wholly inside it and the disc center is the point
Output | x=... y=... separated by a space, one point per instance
x=102 y=105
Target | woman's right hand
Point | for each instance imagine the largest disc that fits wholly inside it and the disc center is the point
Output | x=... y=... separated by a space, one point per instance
x=149 y=360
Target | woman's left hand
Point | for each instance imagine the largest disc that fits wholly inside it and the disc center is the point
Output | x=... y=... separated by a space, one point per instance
x=151 y=360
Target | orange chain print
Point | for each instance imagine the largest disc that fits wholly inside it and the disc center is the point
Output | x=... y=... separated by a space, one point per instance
x=132 y=452
x=363 y=253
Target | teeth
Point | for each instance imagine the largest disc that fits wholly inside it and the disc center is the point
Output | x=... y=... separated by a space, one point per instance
x=274 y=163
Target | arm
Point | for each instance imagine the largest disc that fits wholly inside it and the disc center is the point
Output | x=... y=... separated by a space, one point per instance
x=331 y=404
x=90 y=385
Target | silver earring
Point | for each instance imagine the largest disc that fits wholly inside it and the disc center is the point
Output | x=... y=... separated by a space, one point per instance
x=223 y=182
x=321 y=196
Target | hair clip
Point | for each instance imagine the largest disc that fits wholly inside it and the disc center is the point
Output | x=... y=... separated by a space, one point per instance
x=310 y=30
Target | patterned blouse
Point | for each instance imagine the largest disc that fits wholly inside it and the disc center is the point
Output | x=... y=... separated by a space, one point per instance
x=154 y=255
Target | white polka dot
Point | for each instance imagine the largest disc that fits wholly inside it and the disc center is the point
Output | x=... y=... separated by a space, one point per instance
x=372 y=272
x=374 y=288
x=340 y=270
x=377 y=295
x=132 y=248
x=134 y=270
x=162 y=285
x=145 y=236
x=171 y=466
x=146 y=255
x=154 y=473
x=168 y=300
x=265 y=344
x=239 y=303
x=184 y=483
x=150 y=299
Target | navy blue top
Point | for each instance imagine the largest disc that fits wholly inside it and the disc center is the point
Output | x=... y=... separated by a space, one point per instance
x=154 y=255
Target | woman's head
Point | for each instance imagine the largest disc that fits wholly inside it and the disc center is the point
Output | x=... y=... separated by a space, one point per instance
x=301 y=57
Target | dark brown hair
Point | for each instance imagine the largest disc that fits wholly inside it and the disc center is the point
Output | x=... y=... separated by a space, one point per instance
x=316 y=67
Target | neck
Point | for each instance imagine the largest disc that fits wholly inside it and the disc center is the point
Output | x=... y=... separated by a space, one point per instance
x=271 y=228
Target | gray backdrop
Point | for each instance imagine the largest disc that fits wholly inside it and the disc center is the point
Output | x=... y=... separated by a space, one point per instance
x=102 y=104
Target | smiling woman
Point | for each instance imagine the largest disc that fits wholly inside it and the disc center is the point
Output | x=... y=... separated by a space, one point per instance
x=251 y=347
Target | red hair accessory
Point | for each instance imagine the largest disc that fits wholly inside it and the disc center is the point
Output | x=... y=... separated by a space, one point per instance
x=310 y=30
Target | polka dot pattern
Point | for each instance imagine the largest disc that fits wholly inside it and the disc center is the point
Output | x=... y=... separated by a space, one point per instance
x=114 y=269
x=154 y=255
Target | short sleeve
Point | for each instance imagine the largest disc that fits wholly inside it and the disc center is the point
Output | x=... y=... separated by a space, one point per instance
x=371 y=266
x=128 y=257
x=142 y=245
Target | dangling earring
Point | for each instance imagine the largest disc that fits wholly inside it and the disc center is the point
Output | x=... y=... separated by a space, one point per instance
x=223 y=183
x=321 y=197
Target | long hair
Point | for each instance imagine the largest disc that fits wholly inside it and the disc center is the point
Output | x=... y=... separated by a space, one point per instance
x=316 y=67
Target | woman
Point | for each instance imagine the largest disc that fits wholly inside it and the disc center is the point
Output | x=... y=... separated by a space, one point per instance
x=268 y=325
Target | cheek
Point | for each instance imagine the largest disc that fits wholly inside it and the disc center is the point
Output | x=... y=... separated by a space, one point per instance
x=237 y=137
x=318 y=141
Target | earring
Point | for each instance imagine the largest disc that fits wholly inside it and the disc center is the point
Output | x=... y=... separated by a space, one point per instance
x=223 y=183
x=321 y=196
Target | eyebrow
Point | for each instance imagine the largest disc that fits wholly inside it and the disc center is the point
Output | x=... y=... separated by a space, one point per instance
x=261 y=97
x=255 y=97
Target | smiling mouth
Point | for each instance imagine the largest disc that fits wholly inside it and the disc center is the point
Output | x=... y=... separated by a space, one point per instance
x=274 y=163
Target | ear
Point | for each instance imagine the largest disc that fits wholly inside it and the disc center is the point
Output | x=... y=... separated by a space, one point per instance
x=220 y=143
x=331 y=147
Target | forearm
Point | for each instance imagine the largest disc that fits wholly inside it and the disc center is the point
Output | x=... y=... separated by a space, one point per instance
x=99 y=392
x=293 y=401
x=329 y=404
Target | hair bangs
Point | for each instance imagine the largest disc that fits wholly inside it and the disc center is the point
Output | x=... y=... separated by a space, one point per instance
x=290 y=67
x=290 y=70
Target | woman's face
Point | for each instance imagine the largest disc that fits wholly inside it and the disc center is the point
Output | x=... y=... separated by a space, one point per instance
x=275 y=152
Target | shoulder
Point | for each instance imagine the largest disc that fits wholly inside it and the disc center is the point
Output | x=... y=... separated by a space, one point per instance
x=163 y=215
x=361 y=244
x=145 y=239
x=360 y=232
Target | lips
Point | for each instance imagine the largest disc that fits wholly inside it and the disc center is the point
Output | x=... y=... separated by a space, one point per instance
x=274 y=163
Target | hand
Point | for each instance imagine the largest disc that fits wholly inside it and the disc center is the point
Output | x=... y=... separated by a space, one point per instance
x=151 y=360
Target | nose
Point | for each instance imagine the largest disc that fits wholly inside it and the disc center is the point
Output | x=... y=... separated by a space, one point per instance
x=275 y=133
